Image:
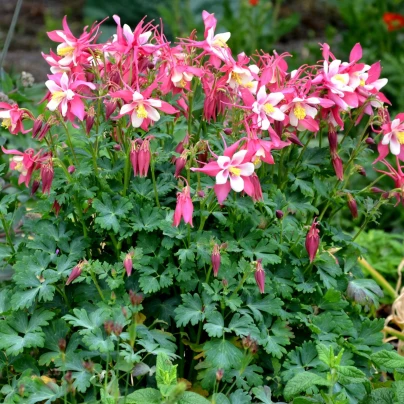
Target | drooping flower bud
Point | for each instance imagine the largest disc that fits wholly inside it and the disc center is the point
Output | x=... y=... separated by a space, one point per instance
x=201 y=194
x=181 y=147
x=361 y=171
x=90 y=119
x=257 y=191
x=332 y=139
x=110 y=107
x=56 y=208
x=293 y=138
x=47 y=174
x=370 y=141
x=76 y=272
x=62 y=344
x=117 y=147
x=144 y=157
x=35 y=186
x=135 y=299
x=228 y=131
x=184 y=207
x=134 y=156
x=279 y=214
x=109 y=327
x=260 y=276
x=37 y=126
x=180 y=163
x=313 y=240
x=338 y=167
x=352 y=206
x=71 y=169
x=128 y=263
x=202 y=148
x=215 y=257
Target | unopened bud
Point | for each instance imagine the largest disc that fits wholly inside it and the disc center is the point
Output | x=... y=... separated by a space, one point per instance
x=118 y=329
x=117 y=147
x=62 y=344
x=201 y=194
x=128 y=264
x=361 y=171
x=89 y=366
x=260 y=276
x=313 y=240
x=279 y=214
x=228 y=131
x=369 y=140
x=69 y=376
x=352 y=206
x=71 y=169
x=225 y=283
x=76 y=272
x=135 y=299
x=109 y=327
x=219 y=374
x=34 y=187
x=215 y=257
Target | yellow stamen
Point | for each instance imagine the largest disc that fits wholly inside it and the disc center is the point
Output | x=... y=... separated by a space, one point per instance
x=141 y=111
x=362 y=83
x=58 y=96
x=257 y=162
x=235 y=171
x=400 y=137
x=269 y=108
x=340 y=78
x=236 y=77
x=299 y=112
x=182 y=83
x=220 y=43
x=66 y=50
x=249 y=84
x=6 y=123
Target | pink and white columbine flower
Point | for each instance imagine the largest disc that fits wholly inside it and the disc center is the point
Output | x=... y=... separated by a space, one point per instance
x=141 y=110
x=265 y=107
x=64 y=96
x=232 y=166
x=393 y=138
x=302 y=113
x=12 y=116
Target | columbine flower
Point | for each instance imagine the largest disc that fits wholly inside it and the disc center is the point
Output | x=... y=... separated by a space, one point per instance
x=313 y=240
x=265 y=107
x=353 y=207
x=393 y=138
x=47 y=175
x=141 y=110
x=64 y=97
x=128 y=263
x=76 y=272
x=184 y=208
x=12 y=116
x=232 y=166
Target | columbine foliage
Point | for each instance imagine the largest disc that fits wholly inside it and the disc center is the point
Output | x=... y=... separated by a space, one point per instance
x=185 y=247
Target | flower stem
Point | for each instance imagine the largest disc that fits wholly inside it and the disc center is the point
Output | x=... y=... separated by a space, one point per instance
x=156 y=195
x=7 y=232
x=93 y=277
x=395 y=333
x=379 y=278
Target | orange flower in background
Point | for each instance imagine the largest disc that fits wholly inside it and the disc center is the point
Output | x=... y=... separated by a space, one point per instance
x=393 y=21
x=254 y=2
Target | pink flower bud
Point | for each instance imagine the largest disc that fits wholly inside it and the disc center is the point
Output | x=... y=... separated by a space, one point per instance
x=35 y=186
x=377 y=190
x=44 y=131
x=361 y=171
x=47 y=174
x=76 y=272
x=332 y=139
x=144 y=157
x=369 y=141
x=37 y=126
x=135 y=299
x=117 y=147
x=338 y=167
x=260 y=276
x=219 y=374
x=352 y=206
x=56 y=208
x=228 y=131
x=313 y=240
x=257 y=191
x=293 y=138
x=90 y=119
x=215 y=259
x=184 y=207
x=134 y=156
x=180 y=164
x=110 y=107
x=150 y=66
x=201 y=194
x=279 y=214
x=71 y=169
x=128 y=264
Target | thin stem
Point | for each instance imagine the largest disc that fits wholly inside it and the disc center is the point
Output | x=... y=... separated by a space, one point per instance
x=156 y=194
x=379 y=278
x=395 y=333
x=70 y=143
x=93 y=277
x=7 y=232
x=126 y=172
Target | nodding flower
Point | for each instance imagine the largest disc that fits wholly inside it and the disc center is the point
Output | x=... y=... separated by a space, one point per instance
x=184 y=208
x=260 y=276
x=313 y=240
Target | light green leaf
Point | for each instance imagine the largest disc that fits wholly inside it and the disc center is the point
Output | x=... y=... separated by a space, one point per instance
x=96 y=341
x=87 y=322
x=350 y=375
x=215 y=324
x=222 y=354
x=301 y=382
x=144 y=396
x=189 y=397
x=388 y=361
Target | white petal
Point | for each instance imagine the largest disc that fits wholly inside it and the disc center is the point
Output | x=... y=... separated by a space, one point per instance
x=261 y=95
x=395 y=146
x=246 y=169
x=223 y=161
x=176 y=76
x=238 y=158
x=64 y=81
x=143 y=38
x=310 y=111
x=52 y=86
x=278 y=115
x=126 y=109
x=53 y=104
x=127 y=32
x=236 y=183
x=154 y=103
x=223 y=38
x=275 y=98
x=64 y=106
x=152 y=113
x=136 y=121
x=221 y=177
x=263 y=122
x=137 y=96
x=293 y=119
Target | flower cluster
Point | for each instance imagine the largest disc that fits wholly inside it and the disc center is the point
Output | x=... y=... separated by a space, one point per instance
x=265 y=107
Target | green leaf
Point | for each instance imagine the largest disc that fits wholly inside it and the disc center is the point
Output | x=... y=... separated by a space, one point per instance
x=96 y=341
x=325 y=354
x=148 y=219
x=268 y=305
x=110 y=212
x=275 y=337
x=215 y=324
x=350 y=375
x=364 y=291
x=263 y=393
x=189 y=397
x=222 y=354
x=144 y=396
x=243 y=325
x=166 y=373
x=87 y=322
x=301 y=382
x=191 y=310
x=388 y=361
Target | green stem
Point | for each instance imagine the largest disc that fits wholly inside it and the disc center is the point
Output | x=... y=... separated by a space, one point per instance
x=93 y=277
x=395 y=333
x=379 y=278
x=70 y=143
x=126 y=172
x=7 y=231
x=156 y=195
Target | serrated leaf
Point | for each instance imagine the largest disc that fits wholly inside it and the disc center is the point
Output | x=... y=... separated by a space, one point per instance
x=96 y=341
x=189 y=397
x=144 y=396
x=301 y=382
x=350 y=375
x=222 y=354
x=215 y=324
x=388 y=361
x=87 y=322
x=364 y=291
